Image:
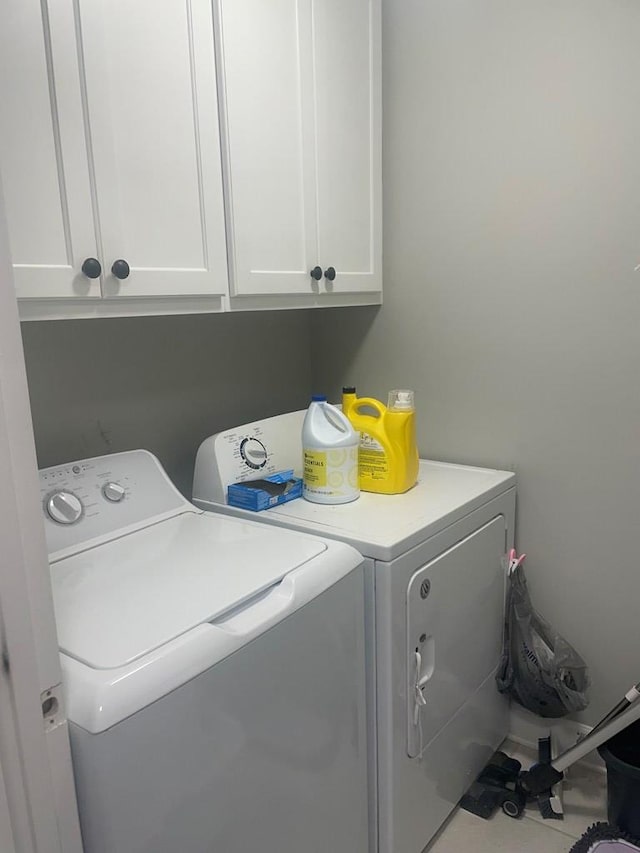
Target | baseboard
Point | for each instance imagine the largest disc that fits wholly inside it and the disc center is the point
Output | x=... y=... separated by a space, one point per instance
x=525 y=729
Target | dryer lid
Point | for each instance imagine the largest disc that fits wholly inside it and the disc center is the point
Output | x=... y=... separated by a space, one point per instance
x=118 y=601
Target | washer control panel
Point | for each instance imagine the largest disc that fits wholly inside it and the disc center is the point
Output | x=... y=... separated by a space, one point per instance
x=96 y=497
x=248 y=452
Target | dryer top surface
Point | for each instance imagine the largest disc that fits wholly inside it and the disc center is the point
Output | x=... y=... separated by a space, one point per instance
x=385 y=526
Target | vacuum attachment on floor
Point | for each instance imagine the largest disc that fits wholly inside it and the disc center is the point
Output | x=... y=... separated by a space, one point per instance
x=549 y=800
x=502 y=784
x=496 y=786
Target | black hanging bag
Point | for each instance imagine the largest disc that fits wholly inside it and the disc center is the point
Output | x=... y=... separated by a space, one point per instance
x=539 y=668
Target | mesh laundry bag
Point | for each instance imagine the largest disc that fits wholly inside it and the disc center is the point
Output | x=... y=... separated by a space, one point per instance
x=539 y=668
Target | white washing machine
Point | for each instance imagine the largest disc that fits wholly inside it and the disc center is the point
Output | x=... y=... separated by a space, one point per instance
x=213 y=670
x=435 y=584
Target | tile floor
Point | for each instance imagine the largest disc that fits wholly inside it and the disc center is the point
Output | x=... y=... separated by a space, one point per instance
x=584 y=798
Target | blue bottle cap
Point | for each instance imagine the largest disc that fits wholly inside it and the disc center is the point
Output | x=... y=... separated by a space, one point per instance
x=318 y=398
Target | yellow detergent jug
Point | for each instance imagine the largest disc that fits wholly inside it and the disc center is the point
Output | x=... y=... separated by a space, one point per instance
x=388 y=454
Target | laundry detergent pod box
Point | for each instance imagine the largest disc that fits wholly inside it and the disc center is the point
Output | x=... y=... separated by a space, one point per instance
x=265 y=493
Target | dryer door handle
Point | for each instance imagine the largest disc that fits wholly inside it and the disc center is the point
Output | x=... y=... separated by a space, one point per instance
x=423 y=668
x=427 y=661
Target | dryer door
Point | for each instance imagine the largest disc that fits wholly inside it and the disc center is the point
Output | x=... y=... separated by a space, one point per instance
x=455 y=607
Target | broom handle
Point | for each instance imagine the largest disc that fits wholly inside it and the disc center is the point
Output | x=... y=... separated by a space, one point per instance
x=630 y=699
x=604 y=732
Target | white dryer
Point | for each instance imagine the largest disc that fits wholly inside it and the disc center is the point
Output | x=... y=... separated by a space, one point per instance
x=435 y=586
x=213 y=670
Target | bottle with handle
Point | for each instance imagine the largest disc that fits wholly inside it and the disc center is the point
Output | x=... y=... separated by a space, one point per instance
x=330 y=455
x=388 y=454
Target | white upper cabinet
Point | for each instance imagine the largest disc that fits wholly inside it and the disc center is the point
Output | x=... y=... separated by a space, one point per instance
x=110 y=149
x=300 y=89
x=141 y=143
x=152 y=113
x=43 y=155
x=348 y=130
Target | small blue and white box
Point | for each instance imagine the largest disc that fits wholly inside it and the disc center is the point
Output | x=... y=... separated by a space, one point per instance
x=265 y=493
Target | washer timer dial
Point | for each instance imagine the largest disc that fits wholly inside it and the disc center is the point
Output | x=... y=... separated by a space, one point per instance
x=253 y=453
x=113 y=492
x=64 y=507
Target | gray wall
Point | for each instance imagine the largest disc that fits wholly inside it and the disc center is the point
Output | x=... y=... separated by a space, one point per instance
x=512 y=228
x=163 y=383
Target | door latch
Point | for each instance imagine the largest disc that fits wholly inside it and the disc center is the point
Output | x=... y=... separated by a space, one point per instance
x=52 y=707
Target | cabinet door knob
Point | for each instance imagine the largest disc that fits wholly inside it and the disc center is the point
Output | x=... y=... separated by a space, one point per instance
x=330 y=273
x=316 y=273
x=91 y=268
x=120 y=268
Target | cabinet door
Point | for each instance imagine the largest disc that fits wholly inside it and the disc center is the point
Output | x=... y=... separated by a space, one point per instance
x=302 y=132
x=266 y=65
x=152 y=112
x=348 y=134
x=43 y=154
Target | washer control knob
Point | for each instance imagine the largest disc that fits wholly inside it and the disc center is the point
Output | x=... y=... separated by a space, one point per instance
x=254 y=453
x=64 y=507
x=113 y=492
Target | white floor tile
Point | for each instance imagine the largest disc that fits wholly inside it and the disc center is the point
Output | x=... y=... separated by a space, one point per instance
x=466 y=833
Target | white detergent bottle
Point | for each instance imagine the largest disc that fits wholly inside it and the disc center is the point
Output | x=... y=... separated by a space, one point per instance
x=330 y=455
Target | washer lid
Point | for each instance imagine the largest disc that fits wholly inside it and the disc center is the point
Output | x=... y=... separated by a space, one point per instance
x=116 y=602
